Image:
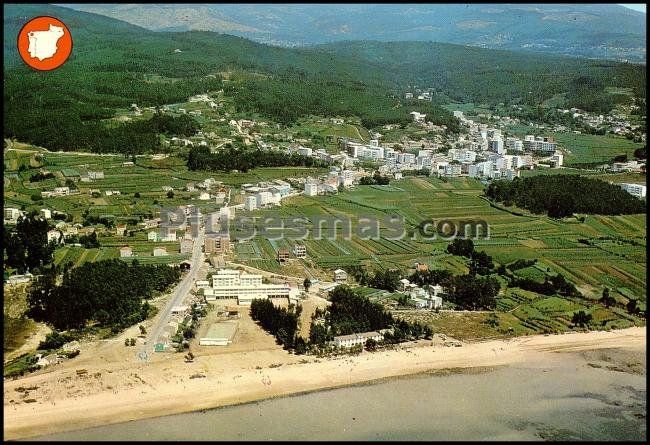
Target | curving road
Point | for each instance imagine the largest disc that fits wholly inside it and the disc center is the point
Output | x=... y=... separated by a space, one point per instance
x=179 y=294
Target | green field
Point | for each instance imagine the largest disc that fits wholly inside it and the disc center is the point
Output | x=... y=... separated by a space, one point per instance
x=147 y=178
x=594 y=148
x=554 y=243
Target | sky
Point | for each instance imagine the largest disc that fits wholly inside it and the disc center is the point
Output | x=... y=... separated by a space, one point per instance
x=635 y=6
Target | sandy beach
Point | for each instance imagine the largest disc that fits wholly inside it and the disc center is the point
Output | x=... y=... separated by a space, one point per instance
x=127 y=391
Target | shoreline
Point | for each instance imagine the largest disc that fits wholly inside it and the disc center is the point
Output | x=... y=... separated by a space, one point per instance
x=244 y=386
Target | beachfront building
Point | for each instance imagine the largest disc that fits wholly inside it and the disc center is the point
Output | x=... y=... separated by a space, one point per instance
x=347 y=341
x=230 y=283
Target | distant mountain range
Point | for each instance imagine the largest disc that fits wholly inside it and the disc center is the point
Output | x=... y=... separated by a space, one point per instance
x=605 y=31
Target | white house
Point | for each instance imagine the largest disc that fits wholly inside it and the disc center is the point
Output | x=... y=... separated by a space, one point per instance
x=159 y=251
x=46 y=213
x=12 y=214
x=53 y=235
x=340 y=276
x=126 y=252
x=153 y=236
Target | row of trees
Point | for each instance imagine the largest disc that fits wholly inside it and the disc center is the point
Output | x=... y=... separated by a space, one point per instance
x=376 y=178
x=556 y=284
x=200 y=158
x=84 y=295
x=563 y=195
x=387 y=279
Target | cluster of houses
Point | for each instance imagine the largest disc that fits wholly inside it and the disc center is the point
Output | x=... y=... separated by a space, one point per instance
x=58 y=191
x=482 y=153
x=333 y=181
x=614 y=122
x=283 y=256
x=264 y=194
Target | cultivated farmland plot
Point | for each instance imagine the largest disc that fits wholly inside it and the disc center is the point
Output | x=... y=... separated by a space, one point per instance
x=554 y=243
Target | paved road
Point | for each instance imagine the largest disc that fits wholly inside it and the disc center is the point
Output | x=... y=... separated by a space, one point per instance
x=181 y=291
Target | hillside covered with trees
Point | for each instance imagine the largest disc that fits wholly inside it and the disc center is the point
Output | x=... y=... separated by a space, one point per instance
x=112 y=64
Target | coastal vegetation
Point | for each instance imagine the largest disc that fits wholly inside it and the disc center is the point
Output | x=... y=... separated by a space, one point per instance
x=83 y=296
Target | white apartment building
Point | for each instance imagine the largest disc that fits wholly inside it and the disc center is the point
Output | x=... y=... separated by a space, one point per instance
x=496 y=145
x=311 y=188
x=230 y=283
x=557 y=159
x=406 y=158
x=304 y=151
x=539 y=144
x=637 y=190
x=453 y=170
x=423 y=162
x=514 y=144
x=12 y=214
x=250 y=202
x=462 y=155
x=264 y=198
x=522 y=161
x=299 y=250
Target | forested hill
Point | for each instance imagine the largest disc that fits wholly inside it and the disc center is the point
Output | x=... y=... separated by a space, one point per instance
x=468 y=73
x=112 y=63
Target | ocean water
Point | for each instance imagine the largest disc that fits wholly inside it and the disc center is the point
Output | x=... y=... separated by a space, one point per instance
x=565 y=399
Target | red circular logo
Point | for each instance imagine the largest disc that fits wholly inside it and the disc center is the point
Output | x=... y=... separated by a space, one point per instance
x=44 y=43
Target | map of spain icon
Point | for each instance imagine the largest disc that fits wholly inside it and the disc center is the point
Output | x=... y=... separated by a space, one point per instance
x=44 y=43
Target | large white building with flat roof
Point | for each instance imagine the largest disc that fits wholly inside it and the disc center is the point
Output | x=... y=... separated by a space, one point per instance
x=230 y=283
x=637 y=190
